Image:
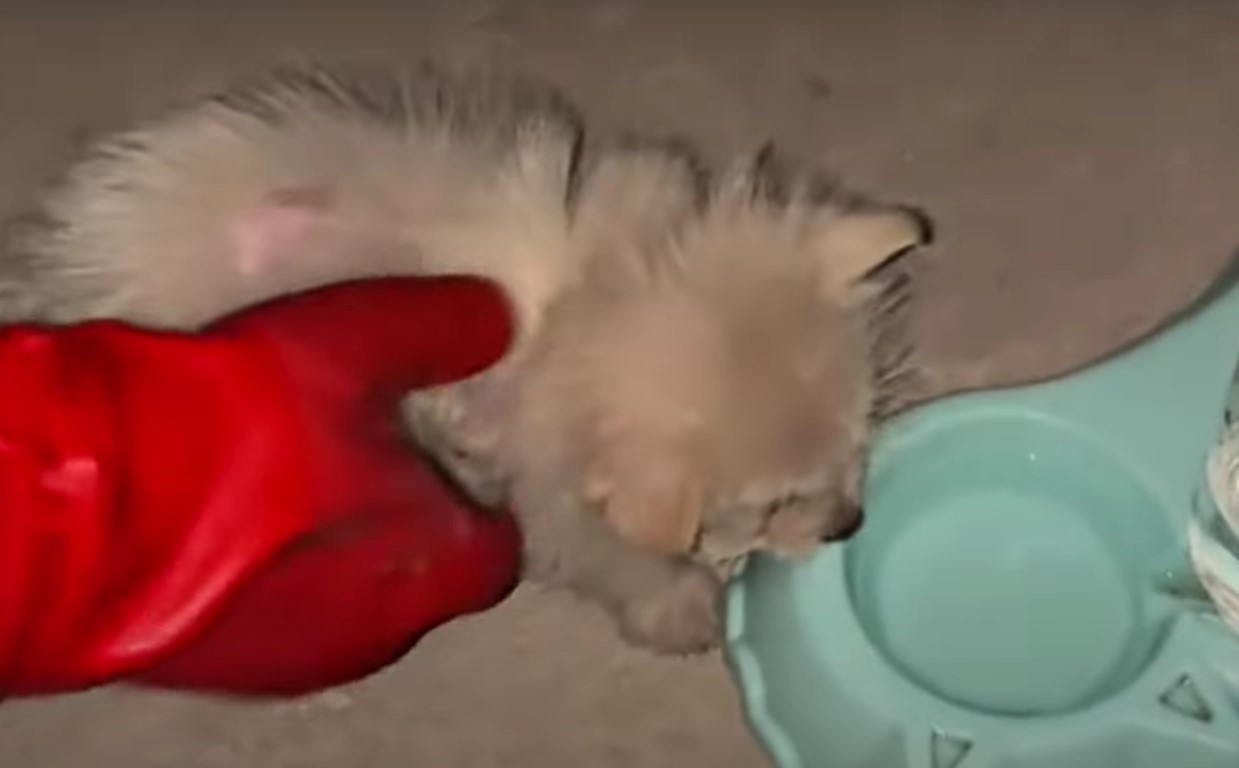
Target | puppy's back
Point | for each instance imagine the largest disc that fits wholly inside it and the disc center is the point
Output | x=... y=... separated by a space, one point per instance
x=301 y=177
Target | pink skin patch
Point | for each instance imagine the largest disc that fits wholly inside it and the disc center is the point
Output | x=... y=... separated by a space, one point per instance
x=275 y=230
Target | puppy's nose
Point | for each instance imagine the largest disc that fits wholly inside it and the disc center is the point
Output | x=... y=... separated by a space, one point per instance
x=853 y=518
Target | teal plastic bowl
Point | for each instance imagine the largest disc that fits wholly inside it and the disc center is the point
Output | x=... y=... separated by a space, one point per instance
x=1021 y=593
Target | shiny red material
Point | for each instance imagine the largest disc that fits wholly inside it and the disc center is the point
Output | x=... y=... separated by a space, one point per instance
x=239 y=510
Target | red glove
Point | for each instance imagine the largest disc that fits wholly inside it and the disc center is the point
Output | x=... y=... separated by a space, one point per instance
x=239 y=510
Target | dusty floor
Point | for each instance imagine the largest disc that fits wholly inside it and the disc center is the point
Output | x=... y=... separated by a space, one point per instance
x=1081 y=159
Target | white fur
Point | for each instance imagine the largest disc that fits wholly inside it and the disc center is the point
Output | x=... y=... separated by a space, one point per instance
x=694 y=374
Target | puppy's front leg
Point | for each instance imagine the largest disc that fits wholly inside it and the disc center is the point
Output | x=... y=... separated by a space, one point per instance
x=669 y=605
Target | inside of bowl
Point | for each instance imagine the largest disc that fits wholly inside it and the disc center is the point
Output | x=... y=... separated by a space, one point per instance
x=1009 y=564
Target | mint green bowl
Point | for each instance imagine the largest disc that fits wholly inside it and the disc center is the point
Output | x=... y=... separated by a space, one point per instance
x=1020 y=594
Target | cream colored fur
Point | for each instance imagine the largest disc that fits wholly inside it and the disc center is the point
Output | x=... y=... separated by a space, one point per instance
x=695 y=372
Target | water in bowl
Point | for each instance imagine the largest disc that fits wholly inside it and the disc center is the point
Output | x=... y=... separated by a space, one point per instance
x=998 y=533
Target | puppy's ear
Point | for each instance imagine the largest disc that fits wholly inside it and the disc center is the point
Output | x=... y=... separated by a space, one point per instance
x=854 y=242
x=656 y=508
x=277 y=228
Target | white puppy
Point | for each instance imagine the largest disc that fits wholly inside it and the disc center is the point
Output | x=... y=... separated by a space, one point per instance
x=697 y=367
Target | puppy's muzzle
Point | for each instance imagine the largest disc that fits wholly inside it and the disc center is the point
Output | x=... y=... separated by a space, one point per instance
x=851 y=519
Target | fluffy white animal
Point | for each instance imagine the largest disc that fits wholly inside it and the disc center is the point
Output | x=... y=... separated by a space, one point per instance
x=699 y=358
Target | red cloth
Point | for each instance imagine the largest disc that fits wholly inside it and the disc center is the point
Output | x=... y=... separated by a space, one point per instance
x=239 y=510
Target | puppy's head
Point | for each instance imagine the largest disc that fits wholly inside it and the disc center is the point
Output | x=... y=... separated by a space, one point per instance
x=734 y=380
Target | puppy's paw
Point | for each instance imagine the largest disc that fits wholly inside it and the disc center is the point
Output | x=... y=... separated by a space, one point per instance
x=481 y=480
x=682 y=617
x=465 y=454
